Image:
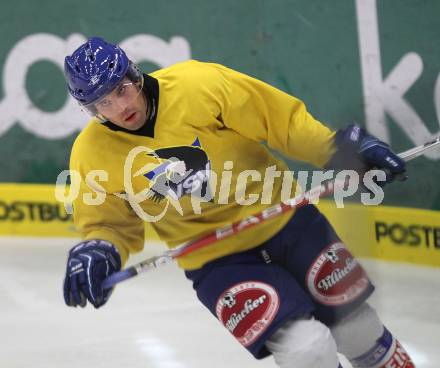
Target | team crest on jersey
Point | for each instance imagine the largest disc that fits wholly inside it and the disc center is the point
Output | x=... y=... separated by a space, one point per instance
x=247 y=310
x=335 y=277
x=182 y=170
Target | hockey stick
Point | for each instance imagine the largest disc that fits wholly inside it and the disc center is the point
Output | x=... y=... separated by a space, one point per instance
x=222 y=233
x=420 y=150
x=301 y=200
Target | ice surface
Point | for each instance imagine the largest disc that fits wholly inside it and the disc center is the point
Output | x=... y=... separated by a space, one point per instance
x=155 y=319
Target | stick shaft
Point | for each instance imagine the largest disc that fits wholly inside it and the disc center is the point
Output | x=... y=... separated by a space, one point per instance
x=222 y=233
x=420 y=150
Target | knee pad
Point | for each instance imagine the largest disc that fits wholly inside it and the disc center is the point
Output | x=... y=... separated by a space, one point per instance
x=304 y=343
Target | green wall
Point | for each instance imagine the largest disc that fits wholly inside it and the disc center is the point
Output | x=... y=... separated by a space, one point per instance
x=325 y=52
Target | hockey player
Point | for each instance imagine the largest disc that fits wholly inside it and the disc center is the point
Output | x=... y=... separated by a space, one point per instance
x=289 y=287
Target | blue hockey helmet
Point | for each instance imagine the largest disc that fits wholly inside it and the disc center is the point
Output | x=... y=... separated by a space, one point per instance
x=95 y=69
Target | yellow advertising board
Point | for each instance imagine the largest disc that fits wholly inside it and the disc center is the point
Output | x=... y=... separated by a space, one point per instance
x=32 y=210
x=388 y=233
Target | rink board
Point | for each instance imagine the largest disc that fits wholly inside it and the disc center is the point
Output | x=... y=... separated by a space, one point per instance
x=382 y=232
x=388 y=233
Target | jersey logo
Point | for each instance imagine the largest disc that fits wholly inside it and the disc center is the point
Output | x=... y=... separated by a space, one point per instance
x=182 y=170
x=247 y=309
x=335 y=277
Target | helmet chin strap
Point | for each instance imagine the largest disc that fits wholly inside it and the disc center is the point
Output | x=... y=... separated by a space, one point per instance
x=148 y=108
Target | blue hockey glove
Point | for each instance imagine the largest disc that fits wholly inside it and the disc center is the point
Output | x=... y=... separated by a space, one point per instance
x=88 y=264
x=360 y=151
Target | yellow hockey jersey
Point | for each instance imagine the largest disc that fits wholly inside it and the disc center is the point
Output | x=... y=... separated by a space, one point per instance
x=197 y=165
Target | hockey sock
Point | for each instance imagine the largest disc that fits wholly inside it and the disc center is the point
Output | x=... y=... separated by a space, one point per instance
x=386 y=353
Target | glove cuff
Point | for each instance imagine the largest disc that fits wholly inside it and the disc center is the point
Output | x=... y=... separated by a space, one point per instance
x=99 y=245
x=348 y=144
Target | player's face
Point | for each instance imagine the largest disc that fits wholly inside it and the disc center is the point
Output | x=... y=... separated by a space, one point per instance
x=125 y=106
